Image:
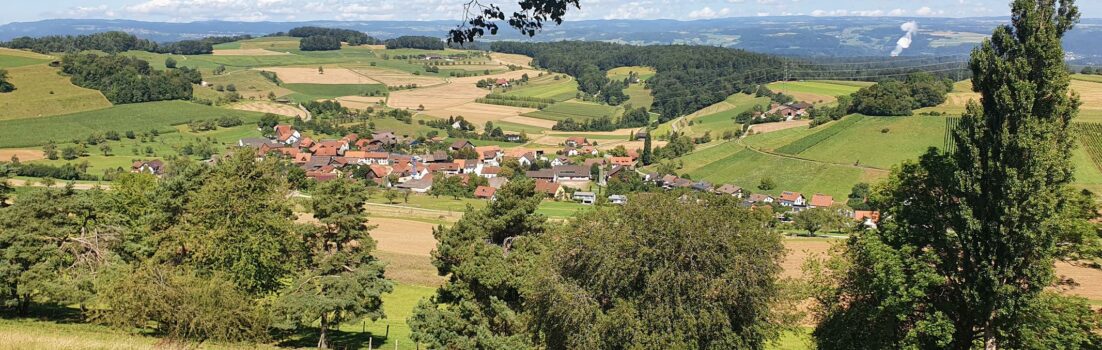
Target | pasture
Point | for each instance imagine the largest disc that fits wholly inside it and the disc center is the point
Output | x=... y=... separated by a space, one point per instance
x=138 y=117
x=249 y=83
x=724 y=119
x=815 y=92
x=456 y=92
x=269 y=107
x=480 y=113
x=621 y=73
x=10 y=58
x=880 y=142
x=547 y=86
x=579 y=111
x=730 y=162
x=41 y=92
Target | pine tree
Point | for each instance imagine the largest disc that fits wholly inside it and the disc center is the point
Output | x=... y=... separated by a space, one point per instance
x=343 y=282
x=967 y=245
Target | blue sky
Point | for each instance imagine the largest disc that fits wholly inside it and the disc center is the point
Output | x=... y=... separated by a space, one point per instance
x=301 y=10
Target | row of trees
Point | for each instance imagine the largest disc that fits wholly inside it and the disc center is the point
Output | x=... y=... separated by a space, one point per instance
x=352 y=37
x=415 y=42
x=124 y=79
x=204 y=253
x=115 y=42
x=632 y=118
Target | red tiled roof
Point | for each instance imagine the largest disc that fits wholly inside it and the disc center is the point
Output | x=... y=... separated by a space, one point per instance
x=790 y=196
x=822 y=200
x=484 y=192
x=547 y=187
x=626 y=161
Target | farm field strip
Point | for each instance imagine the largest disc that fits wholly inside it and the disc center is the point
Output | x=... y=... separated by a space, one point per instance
x=41 y=92
x=809 y=141
x=579 y=111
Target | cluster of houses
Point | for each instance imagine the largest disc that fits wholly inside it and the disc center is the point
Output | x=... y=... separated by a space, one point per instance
x=366 y=158
x=795 y=201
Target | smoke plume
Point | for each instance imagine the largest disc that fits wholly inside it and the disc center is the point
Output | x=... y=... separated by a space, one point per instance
x=905 y=42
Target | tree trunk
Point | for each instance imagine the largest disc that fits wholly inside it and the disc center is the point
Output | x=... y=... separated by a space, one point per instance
x=324 y=329
x=989 y=340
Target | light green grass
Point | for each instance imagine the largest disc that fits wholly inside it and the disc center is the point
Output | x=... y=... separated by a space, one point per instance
x=249 y=83
x=41 y=92
x=724 y=120
x=773 y=140
x=11 y=58
x=864 y=140
x=794 y=340
x=830 y=130
x=620 y=73
x=1090 y=78
x=829 y=88
x=554 y=209
x=732 y=163
x=444 y=203
x=311 y=92
x=547 y=87
x=579 y=111
x=639 y=96
x=138 y=117
x=529 y=129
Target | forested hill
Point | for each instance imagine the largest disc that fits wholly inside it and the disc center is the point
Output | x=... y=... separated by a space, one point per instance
x=689 y=77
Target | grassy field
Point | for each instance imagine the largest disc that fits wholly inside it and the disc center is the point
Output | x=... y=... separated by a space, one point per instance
x=732 y=163
x=620 y=73
x=529 y=129
x=816 y=92
x=312 y=92
x=830 y=130
x=547 y=87
x=878 y=141
x=1090 y=78
x=724 y=120
x=560 y=209
x=249 y=83
x=579 y=111
x=10 y=58
x=139 y=117
x=41 y=92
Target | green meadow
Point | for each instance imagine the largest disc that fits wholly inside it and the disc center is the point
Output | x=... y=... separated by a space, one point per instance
x=579 y=111
x=312 y=92
x=42 y=92
x=138 y=117
x=547 y=87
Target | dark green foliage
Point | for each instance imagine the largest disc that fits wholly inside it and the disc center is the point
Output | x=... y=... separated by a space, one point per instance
x=679 y=145
x=967 y=240
x=319 y=43
x=5 y=85
x=116 y=42
x=125 y=79
x=32 y=233
x=181 y=304
x=342 y=282
x=895 y=98
x=415 y=42
x=889 y=98
x=352 y=37
x=661 y=272
x=689 y=77
x=67 y=171
x=485 y=255
x=327 y=107
x=648 y=154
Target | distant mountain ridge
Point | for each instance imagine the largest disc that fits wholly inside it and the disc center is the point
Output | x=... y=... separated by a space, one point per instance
x=791 y=35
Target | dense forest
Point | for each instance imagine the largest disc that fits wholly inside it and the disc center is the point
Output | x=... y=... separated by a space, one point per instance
x=115 y=42
x=352 y=37
x=319 y=43
x=125 y=79
x=415 y=42
x=689 y=77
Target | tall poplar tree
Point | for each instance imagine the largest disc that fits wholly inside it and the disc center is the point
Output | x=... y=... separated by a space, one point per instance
x=968 y=240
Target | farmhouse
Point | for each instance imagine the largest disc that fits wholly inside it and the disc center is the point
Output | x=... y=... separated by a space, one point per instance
x=792 y=199
x=576 y=141
x=587 y=198
x=155 y=167
x=287 y=134
x=461 y=144
x=729 y=190
x=761 y=198
x=551 y=189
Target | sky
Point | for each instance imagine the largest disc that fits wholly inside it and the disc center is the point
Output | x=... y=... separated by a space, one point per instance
x=303 y=10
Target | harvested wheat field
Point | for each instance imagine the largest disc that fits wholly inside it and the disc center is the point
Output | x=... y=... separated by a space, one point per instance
x=248 y=52
x=309 y=75
x=513 y=59
x=22 y=154
x=480 y=113
x=536 y=122
x=390 y=77
x=270 y=107
x=771 y=127
x=403 y=236
x=1089 y=280
x=618 y=132
x=360 y=102
x=456 y=92
x=799 y=251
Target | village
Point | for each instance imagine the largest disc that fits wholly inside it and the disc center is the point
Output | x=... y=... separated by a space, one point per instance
x=577 y=172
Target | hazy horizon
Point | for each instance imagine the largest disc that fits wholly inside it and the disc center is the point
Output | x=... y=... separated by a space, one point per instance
x=183 y=11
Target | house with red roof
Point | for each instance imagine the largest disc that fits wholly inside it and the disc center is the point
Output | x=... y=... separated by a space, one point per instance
x=821 y=201
x=287 y=134
x=792 y=199
x=485 y=192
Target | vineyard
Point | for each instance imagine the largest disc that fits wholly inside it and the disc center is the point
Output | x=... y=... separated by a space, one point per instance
x=1090 y=137
x=951 y=124
x=811 y=140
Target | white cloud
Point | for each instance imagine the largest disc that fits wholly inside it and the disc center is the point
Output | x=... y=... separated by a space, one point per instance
x=707 y=12
x=634 y=10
